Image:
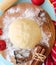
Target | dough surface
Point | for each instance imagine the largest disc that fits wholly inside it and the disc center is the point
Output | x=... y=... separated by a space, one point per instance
x=24 y=33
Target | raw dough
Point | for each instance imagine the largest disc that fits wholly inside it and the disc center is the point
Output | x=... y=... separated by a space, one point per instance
x=24 y=33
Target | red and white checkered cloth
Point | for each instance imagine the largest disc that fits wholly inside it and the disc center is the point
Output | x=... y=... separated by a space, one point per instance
x=54 y=4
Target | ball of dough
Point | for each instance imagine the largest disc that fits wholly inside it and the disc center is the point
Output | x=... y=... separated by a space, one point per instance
x=24 y=33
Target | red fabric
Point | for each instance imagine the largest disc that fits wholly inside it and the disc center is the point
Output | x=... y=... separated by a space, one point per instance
x=54 y=5
x=51 y=59
x=54 y=23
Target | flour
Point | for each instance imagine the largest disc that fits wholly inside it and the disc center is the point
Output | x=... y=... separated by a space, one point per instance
x=29 y=12
x=45 y=38
x=6 y=21
x=12 y=10
x=9 y=53
x=42 y=15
